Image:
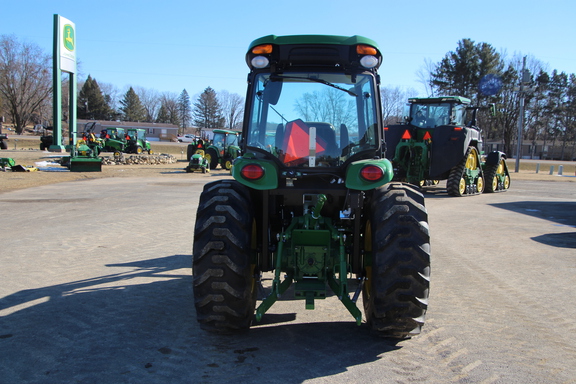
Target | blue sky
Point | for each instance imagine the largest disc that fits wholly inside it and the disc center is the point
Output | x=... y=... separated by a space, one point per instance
x=169 y=45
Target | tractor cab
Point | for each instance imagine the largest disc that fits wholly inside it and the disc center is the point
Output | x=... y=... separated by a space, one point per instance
x=312 y=114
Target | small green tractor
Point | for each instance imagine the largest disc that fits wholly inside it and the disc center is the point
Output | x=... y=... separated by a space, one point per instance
x=311 y=202
x=440 y=141
x=223 y=149
x=131 y=140
x=198 y=160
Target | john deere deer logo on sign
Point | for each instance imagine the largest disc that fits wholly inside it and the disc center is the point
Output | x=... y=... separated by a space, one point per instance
x=69 y=37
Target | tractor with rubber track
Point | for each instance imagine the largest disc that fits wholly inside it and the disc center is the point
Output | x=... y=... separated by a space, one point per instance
x=311 y=204
x=439 y=140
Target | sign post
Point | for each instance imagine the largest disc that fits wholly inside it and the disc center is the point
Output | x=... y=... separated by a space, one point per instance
x=63 y=60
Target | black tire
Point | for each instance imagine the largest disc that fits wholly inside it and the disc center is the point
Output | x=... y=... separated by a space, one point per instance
x=224 y=282
x=4 y=145
x=395 y=294
x=212 y=158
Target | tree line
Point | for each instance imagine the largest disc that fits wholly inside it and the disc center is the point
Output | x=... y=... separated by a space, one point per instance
x=550 y=97
x=26 y=96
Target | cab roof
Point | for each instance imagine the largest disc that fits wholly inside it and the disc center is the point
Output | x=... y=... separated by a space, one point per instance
x=437 y=100
x=313 y=39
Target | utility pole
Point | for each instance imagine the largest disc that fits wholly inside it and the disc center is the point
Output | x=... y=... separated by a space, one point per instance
x=524 y=78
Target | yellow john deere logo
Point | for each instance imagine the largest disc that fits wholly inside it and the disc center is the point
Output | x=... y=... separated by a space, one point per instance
x=69 y=37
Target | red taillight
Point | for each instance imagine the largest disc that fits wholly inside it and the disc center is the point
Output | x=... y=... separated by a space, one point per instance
x=371 y=173
x=406 y=135
x=458 y=128
x=252 y=172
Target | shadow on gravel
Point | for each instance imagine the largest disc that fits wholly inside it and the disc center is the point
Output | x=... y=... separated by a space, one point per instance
x=562 y=213
x=139 y=326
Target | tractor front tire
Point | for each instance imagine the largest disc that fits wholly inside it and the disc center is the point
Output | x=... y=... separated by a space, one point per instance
x=395 y=294
x=223 y=275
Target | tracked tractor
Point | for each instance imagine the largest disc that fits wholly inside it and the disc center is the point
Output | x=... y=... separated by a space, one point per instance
x=439 y=140
x=311 y=204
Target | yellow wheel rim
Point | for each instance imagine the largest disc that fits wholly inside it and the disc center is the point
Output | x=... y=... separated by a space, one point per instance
x=480 y=184
x=494 y=183
x=462 y=186
x=506 y=182
x=471 y=161
x=500 y=169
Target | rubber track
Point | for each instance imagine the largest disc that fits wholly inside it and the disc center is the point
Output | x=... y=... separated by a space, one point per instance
x=490 y=173
x=453 y=182
x=223 y=294
x=400 y=261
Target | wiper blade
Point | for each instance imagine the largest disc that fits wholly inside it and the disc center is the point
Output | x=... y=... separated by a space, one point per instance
x=321 y=81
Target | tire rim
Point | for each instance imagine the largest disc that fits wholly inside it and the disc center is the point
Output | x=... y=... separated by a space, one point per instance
x=480 y=184
x=471 y=161
x=462 y=186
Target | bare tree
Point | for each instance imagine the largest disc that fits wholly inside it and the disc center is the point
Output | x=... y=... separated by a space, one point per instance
x=425 y=77
x=169 y=102
x=25 y=79
x=393 y=102
x=150 y=99
x=232 y=109
x=112 y=96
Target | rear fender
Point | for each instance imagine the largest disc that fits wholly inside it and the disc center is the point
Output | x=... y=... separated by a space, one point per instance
x=493 y=158
x=354 y=180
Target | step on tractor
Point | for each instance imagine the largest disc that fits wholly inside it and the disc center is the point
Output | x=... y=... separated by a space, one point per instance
x=439 y=140
x=223 y=149
x=310 y=202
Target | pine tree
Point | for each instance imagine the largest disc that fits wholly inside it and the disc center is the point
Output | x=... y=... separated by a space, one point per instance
x=91 y=102
x=459 y=73
x=132 y=108
x=163 y=116
x=184 y=109
x=207 y=111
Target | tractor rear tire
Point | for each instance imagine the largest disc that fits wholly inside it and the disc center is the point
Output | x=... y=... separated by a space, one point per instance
x=396 y=291
x=223 y=275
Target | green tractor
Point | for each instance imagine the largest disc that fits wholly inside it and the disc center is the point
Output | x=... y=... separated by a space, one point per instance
x=114 y=140
x=131 y=140
x=136 y=141
x=311 y=202
x=435 y=143
x=223 y=149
